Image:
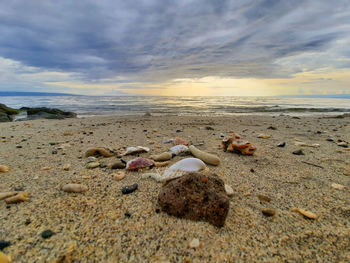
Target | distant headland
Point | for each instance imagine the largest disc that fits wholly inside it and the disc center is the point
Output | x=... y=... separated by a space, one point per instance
x=25 y=93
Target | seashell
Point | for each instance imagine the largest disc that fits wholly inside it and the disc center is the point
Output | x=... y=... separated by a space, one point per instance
x=7 y=194
x=20 y=197
x=74 y=188
x=179 y=141
x=139 y=163
x=305 y=213
x=92 y=165
x=182 y=167
x=204 y=156
x=245 y=148
x=3 y=169
x=162 y=157
x=179 y=149
x=135 y=150
x=105 y=152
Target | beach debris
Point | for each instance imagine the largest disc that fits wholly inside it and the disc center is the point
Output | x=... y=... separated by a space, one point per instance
x=136 y=150
x=264 y=198
x=182 y=167
x=272 y=127
x=330 y=140
x=5 y=195
x=204 y=156
x=209 y=128
x=179 y=150
x=234 y=144
x=91 y=159
x=338 y=186
x=47 y=234
x=196 y=196
x=304 y=144
x=268 y=212
x=19 y=197
x=74 y=188
x=161 y=164
x=281 y=144
x=305 y=213
x=312 y=164
x=179 y=141
x=67 y=167
x=229 y=190
x=129 y=189
x=4 y=244
x=168 y=141
x=3 y=169
x=117 y=165
x=264 y=136
x=298 y=152
x=4 y=258
x=105 y=152
x=165 y=156
x=194 y=243
x=92 y=165
x=118 y=176
x=139 y=163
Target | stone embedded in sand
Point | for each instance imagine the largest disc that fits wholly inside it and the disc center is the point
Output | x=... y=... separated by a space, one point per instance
x=305 y=213
x=229 y=190
x=74 y=188
x=129 y=189
x=3 y=169
x=139 y=163
x=268 y=212
x=92 y=165
x=136 y=150
x=194 y=243
x=20 y=197
x=162 y=157
x=196 y=196
x=117 y=165
x=179 y=141
x=298 y=152
x=281 y=144
x=7 y=194
x=118 y=176
x=105 y=152
x=338 y=186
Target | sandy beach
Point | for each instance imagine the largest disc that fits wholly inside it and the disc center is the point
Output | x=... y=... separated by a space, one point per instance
x=103 y=225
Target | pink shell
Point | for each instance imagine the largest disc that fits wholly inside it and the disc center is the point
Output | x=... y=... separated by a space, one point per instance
x=139 y=163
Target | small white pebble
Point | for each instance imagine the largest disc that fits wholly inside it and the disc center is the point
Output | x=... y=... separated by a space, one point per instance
x=338 y=186
x=194 y=243
x=229 y=190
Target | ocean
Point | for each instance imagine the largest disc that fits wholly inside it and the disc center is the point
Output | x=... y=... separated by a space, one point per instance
x=207 y=106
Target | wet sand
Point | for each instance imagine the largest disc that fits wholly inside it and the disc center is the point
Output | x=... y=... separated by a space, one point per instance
x=93 y=227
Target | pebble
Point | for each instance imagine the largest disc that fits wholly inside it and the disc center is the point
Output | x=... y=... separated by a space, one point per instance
x=99 y=151
x=338 y=186
x=268 y=212
x=7 y=194
x=305 y=213
x=18 y=146
x=47 y=234
x=54 y=152
x=343 y=144
x=204 y=156
x=264 y=198
x=3 y=169
x=264 y=136
x=118 y=176
x=92 y=165
x=281 y=144
x=117 y=165
x=129 y=189
x=4 y=244
x=165 y=156
x=91 y=159
x=20 y=197
x=229 y=190
x=194 y=243
x=298 y=152
x=67 y=167
x=74 y=188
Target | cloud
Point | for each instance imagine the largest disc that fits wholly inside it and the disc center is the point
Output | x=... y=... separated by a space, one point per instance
x=155 y=41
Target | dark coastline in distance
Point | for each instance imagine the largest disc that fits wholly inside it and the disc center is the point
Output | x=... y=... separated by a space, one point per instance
x=330 y=96
x=20 y=93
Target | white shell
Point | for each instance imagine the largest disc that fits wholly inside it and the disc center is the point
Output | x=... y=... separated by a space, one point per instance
x=137 y=149
x=177 y=149
x=182 y=167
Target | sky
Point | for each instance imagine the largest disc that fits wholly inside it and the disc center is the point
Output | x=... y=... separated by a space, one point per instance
x=180 y=48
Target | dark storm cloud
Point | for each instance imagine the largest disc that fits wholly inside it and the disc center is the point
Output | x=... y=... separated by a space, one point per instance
x=159 y=40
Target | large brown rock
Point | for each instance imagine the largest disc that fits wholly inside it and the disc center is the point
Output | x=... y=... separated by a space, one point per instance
x=196 y=196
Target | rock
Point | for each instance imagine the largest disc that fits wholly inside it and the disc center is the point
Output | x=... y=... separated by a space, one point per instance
x=196 y=196
x=209 y=128
x=7 y=113
x=4 y=244
x=305 y=213
x=99 y=151
x=264 y=136
x=92 y=165
x=7 y=194
x=136 y=150
x=229 y=190
x=162 y=157
x=129 y=189
x=343 y=144
x=179 y=141
x=139 y=163
x=47 y=113
x=3 y=169
x=47 y=234
x=179 y=150
x=67 y=167
x=194 y=243
x=182 y=167
x=271 y=128
x=281 y=144
x=118 y=176
x=338 y=186
x=268 y=212
x=4 y=117
x=298 y=152
x=117 y=165
x=264 y=198
x=74 y=188
x=20 y=197
x=204 y=156
x=4 y=258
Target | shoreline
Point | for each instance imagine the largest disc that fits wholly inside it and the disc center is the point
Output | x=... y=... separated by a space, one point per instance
x=93 y=226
